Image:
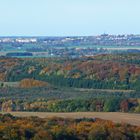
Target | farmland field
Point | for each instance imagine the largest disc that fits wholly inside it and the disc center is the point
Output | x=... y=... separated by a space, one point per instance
x=130 y=118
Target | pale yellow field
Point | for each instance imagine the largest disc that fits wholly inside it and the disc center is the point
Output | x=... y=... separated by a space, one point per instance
x=129 y=118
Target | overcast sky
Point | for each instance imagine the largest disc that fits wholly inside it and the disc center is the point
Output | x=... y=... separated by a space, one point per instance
x=69 y=17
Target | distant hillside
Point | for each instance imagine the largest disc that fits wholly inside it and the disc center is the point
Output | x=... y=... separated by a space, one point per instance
x=100 y=72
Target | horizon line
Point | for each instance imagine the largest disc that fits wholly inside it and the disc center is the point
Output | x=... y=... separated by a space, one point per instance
x=1 y=36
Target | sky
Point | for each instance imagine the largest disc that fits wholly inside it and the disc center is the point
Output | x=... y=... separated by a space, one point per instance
x=69 y=17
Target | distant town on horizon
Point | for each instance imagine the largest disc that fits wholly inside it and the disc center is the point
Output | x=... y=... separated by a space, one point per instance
x=68 y=46
x=103 y=39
